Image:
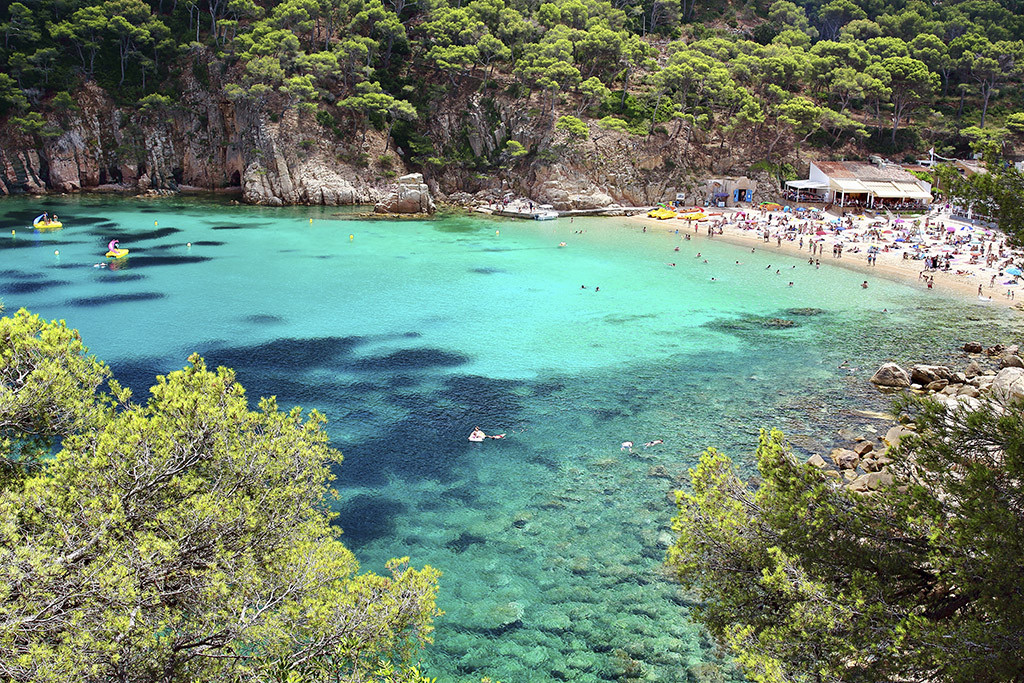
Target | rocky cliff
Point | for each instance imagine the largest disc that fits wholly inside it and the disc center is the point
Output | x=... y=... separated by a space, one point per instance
x=208 y=141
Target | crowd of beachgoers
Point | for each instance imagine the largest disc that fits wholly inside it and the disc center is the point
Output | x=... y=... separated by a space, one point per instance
x=933 y=248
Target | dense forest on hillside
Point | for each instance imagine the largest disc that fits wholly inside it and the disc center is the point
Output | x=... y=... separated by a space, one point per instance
x=860 y=76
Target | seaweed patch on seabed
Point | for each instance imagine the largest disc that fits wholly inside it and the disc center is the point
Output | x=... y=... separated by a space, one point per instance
x=620 y=319
x=263 y=319
x=167 y=260
x=32 y=286
x=487 y=271
x=113 y=276
x=366 y=518
x=94 y=301
x=21 y=274
x=750 y=323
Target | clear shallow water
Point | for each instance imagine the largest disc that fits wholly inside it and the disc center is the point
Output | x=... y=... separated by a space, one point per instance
x=411 y=333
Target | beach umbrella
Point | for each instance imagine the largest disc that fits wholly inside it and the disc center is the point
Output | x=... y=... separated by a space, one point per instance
x=951 y=229
x=1014 y=270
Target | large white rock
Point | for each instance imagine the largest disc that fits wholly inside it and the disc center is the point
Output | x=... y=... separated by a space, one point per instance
x=892 y=376
x=1008 y=384
x=410 y=196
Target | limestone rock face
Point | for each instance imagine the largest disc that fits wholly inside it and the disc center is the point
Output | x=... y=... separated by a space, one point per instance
x=892 y=376
x=411 y=196
x=205 y=143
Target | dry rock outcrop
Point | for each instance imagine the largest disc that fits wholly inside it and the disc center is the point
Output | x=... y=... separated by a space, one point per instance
x=410 y=196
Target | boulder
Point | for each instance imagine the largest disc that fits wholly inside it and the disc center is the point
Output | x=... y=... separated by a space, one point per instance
x=872 y=481
x=972 y=370
x=973 y=347
x=1008 y=384
x=892 y=376
x=882 y=460
x=870 y=465
x=845 y=459
x=994 y=350
x=937 y=385
x=926 y=374
x=893 y=436
x=968 y=390
x=862 y=448
x=410 y=196
x=1010 y=361
x=817 y=461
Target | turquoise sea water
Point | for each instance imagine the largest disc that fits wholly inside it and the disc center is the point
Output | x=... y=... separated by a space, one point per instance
x=411 y=333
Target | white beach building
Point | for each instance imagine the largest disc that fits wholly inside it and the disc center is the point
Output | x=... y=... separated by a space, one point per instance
x=861 y=184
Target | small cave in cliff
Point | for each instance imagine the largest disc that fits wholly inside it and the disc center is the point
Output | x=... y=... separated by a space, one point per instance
x=236 y=180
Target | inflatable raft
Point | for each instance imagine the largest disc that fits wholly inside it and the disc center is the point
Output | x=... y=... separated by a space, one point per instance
x=38 y=223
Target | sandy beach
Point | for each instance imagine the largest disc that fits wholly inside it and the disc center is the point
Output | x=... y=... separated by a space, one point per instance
x=961 y=280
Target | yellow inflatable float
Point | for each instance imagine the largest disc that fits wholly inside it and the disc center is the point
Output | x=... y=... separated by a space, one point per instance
x=40 y=224
x=661 y=213
x=113 y=251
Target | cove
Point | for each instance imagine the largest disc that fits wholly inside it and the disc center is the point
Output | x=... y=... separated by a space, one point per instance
x=410 y=333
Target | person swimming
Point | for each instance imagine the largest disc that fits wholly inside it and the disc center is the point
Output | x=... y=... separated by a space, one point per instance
x=477 y=435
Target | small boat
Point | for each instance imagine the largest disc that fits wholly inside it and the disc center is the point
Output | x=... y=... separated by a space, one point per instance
x=545 y=215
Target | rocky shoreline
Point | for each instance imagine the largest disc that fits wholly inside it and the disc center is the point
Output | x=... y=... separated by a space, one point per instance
x=994 y=373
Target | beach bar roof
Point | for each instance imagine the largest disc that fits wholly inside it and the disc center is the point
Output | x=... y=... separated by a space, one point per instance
x=846 y=180
x=807 y=184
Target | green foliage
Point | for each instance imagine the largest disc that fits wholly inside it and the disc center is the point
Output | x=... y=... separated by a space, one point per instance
x=806 y=580
x=576 y=129
x=859 y=64
x=187 y=535
x=514 y=149
x=997 y=194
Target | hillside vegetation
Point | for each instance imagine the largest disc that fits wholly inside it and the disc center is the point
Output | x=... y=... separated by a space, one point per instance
x=843 y=77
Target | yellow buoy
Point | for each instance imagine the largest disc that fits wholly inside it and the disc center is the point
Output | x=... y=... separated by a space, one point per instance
x=189 y=245
x=154 y=224
x=12 y=233
x=310 y=220
x=351 y=237
x=56 y=252
x=497 y=232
